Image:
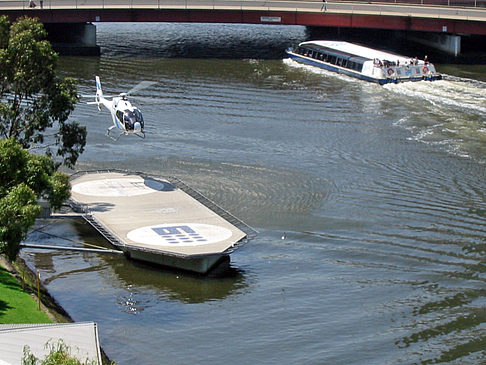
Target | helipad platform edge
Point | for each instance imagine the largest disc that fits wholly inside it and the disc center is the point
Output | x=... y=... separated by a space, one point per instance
x=177 y=226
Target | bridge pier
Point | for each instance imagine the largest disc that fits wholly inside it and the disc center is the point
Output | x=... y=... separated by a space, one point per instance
x=448 y=43
x=395 y=40
x=73 y=38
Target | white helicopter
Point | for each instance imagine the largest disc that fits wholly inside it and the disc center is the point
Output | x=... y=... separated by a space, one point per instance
x=126 y=117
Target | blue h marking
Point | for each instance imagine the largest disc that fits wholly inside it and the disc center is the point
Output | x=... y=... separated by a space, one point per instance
x=179 y=235
x=169 y=231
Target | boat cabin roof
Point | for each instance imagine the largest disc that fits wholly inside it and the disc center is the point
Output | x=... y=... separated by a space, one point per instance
x=350 y=49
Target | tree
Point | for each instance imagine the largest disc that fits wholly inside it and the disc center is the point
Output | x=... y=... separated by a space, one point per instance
x=24 y=178
x=34 y=103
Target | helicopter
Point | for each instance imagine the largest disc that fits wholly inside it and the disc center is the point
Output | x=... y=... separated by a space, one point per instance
x=126 y=117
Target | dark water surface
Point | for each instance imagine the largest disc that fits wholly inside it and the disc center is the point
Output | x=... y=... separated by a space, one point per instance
x=379 y=193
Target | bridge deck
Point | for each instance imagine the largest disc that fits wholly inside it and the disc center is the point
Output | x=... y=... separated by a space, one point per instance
x=438 y=16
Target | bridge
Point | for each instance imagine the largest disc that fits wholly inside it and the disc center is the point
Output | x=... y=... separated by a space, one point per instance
x=440 y=23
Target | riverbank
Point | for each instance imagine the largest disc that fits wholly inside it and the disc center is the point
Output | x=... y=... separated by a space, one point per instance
x=19 y=303
x=16 y=305
x=50 y=311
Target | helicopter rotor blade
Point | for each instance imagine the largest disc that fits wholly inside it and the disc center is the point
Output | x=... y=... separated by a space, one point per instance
x=140 y=86
x=95 y=96
x=148 y=100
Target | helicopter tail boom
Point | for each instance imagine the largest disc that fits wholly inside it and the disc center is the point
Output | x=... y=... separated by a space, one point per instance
x=99 y=92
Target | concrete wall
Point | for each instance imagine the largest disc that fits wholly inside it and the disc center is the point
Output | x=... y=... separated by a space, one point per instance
x=73 y=38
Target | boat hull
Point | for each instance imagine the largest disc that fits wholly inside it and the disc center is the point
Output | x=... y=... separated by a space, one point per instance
x=341 y=70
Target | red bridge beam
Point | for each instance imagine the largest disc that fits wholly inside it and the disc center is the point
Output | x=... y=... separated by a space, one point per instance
x=326 y=19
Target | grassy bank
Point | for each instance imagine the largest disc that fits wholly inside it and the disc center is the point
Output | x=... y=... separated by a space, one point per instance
x=16 y=305
x=22 y=304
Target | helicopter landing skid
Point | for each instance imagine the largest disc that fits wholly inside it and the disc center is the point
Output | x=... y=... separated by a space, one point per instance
x=138 y=134
x=117 y=137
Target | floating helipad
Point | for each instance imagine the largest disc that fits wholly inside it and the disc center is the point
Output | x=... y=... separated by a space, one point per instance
x=158 y=220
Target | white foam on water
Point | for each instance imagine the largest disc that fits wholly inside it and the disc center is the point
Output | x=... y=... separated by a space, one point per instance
x=454 y=93
x=449 y=113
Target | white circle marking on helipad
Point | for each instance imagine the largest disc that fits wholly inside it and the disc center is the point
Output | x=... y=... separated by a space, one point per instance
x=130 y=186
x=179 y=234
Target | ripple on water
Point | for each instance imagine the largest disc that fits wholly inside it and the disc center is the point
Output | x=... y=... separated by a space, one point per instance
x=383 y=243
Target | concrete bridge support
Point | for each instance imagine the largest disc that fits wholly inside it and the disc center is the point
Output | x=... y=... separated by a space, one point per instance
x=396 y=40
x=448 y=43
x=73 y=38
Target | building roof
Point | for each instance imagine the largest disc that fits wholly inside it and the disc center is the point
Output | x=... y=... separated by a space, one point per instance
x=81 y=337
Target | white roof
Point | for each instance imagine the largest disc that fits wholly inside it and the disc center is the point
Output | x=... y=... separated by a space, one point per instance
x=81 y=337
x=358 y=50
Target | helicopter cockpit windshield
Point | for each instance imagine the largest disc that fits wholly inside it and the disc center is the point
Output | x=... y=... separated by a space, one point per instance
x=132 y=120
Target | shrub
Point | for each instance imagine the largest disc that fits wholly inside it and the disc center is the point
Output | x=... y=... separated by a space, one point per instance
x=59 y=354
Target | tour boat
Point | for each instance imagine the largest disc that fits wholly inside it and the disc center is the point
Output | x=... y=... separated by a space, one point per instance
x=362 y=62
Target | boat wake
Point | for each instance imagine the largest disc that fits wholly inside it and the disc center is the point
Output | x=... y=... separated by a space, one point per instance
x=452 y=92
x=449 y=113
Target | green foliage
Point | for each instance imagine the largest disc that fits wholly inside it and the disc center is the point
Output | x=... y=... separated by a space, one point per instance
x=33 y=100
x=18 y=210
x=24 y=178
x=59 y=354
x=17 y=306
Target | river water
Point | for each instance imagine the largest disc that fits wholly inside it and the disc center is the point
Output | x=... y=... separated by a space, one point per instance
x=369 y=202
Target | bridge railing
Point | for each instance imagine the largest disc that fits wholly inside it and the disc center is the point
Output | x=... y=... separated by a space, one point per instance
x=303 y=5
x=453 y=3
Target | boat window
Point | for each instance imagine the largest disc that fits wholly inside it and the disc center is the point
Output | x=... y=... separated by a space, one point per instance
x=335 y=57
